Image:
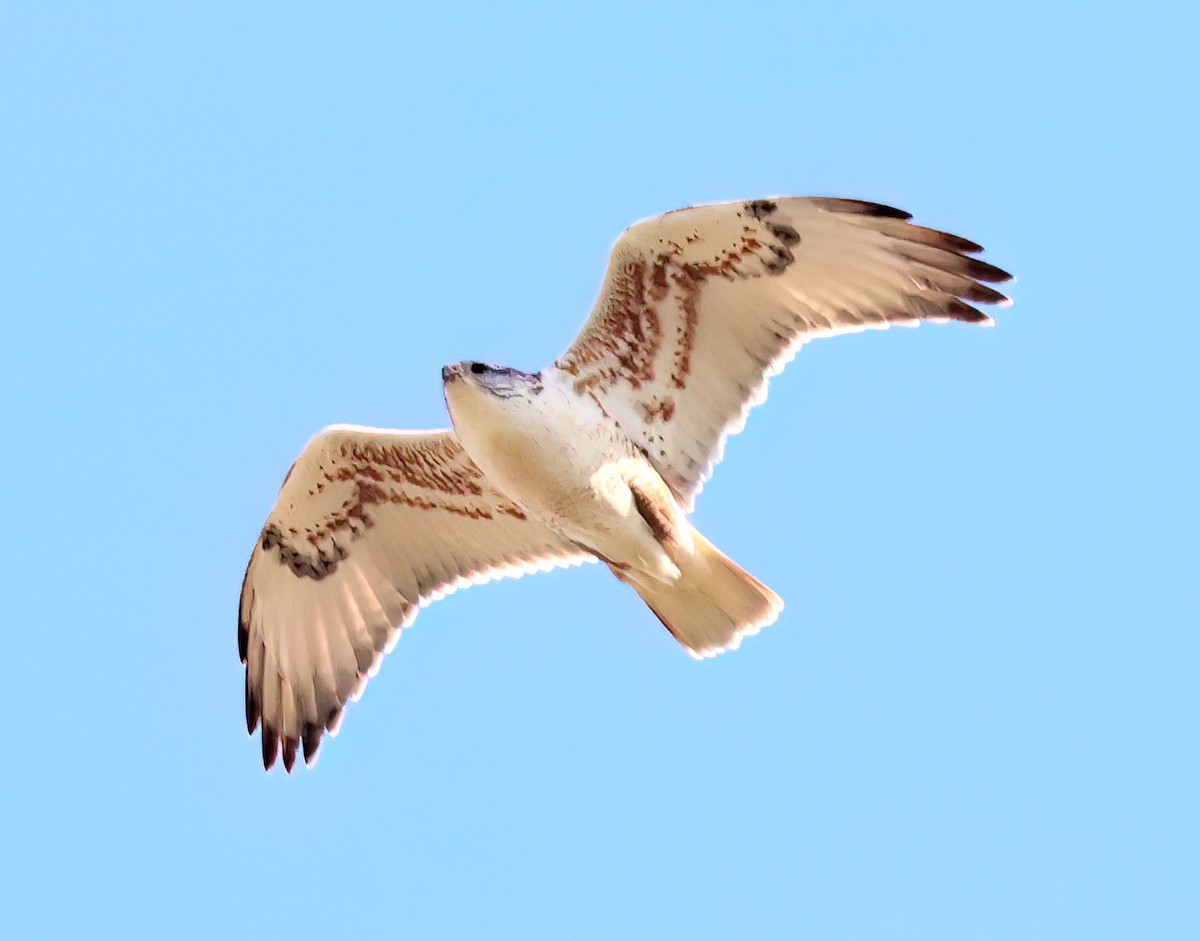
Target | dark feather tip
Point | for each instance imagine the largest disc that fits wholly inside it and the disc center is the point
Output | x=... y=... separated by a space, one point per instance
x=270 y=746
x=310 y=739
x=862 y=208
x=289 y=753
x=883 y=212
x=953 y=243
x=982 y=271
x=959 y=310
x=982 y=294
x=253 y=713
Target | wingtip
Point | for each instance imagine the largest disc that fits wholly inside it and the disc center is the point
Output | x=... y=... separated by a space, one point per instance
x=883 y=211
x=253 y=713
x=957 y=309
x=982 y=271
x=310 y=741
x=270 y=747
x=289 y=752
x=861 y=207
x=276 y=747
x=982 y=294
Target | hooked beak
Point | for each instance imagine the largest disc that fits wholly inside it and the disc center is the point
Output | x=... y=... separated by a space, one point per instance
x=449 y=373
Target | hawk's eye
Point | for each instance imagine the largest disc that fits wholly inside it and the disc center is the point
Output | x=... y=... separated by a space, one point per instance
x=478 y=369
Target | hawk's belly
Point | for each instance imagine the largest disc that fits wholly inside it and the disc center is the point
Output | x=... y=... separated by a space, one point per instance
x=553 y=475
x=575 y=477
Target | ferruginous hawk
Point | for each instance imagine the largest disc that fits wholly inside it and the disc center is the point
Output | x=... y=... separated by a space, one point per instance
x=599 y=456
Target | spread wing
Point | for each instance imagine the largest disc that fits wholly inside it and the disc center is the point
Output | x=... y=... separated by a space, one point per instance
x=701 y=306
x=369 y=525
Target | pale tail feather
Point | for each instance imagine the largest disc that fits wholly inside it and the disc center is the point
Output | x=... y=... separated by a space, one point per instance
x=714 y=604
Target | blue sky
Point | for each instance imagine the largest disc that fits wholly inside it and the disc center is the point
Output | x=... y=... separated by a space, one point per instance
x=222 y=228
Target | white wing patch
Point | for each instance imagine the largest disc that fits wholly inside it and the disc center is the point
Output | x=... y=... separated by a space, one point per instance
x=700 y=306
x=369 y=526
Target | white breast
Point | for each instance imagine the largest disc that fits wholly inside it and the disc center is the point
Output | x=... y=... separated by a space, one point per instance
x=559 y=457
x=541 y=450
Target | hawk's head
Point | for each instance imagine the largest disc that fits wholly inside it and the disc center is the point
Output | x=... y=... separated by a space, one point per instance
x=485 y=400
x=498 y=381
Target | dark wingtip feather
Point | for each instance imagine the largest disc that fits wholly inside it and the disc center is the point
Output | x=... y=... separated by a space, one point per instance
x=243 y=627
x=289 y=753
x=310 y=740
x=982 y=271
x=939 y=239
x=960 y=310
x=982 y=294
x=862 y=207
x=882 y=211
x=253 y=713
x=270 y=746
x=956 y=243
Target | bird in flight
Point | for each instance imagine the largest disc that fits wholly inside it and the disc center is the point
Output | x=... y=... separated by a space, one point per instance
x=598 y=457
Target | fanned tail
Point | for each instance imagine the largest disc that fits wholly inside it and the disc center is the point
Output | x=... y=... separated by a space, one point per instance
x=714 y=604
